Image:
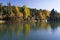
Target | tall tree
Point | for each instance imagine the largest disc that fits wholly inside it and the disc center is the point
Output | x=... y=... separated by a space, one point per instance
x=46 y=12
x=0 y=8
x=54 y=15
x=26 y=12
x=41 y=15
x=9 y=8
x=17 y=12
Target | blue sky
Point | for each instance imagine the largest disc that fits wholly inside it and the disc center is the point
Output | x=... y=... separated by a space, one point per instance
x=39 y=4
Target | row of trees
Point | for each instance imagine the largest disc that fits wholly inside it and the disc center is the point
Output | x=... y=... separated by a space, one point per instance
x=15 y=12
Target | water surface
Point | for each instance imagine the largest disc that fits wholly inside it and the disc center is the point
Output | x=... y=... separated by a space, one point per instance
x=30 y=31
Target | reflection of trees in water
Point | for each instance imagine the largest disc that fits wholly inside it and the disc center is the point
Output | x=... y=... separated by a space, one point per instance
x=10 y=29
x=34 y=26
x=54 y=25
x=2 y=30
x=25 y=28
x=19 y=28
x=44 y=25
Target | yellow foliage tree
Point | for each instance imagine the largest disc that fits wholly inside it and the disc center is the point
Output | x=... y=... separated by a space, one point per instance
x=46 y=12
x=41 y=15
x=12 y=14
x=20 y=14
x=17 y=12
x=26 y=11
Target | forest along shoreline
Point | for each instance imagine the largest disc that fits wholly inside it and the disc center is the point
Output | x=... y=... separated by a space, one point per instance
x=25 y=14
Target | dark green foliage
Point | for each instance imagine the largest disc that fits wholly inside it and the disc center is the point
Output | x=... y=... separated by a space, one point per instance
x=54 y=15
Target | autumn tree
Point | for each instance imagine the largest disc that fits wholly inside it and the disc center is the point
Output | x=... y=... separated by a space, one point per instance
x=17 y=12
x=26 y=12
x=41 y=15
x=46 y=12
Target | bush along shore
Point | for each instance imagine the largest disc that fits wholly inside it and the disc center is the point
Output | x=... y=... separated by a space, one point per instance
x=16 y=13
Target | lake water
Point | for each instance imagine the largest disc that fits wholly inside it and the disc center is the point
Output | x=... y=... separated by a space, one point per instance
x=30 y=31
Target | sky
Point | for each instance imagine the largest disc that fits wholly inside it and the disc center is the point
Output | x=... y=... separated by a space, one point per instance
x=39 y=4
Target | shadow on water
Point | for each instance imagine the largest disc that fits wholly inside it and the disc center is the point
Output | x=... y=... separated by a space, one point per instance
x=13 y=31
